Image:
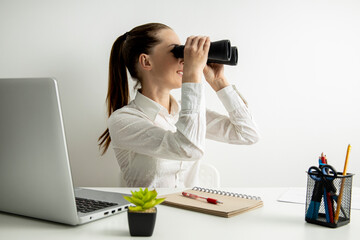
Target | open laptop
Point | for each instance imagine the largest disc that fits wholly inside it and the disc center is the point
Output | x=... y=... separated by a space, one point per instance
x=35 y=176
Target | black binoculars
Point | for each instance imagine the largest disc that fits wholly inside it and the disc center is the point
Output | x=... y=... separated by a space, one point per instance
x=220 y=52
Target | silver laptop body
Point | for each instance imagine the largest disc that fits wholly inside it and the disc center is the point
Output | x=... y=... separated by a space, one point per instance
x=35 y=176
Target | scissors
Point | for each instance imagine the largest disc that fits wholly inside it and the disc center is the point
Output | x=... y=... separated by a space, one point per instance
x=325 y=173
x=323 y=176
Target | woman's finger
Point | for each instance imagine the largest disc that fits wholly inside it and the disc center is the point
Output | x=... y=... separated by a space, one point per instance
x=207 y=44
x=201 y=42
x=189 y=41
x=195 y=43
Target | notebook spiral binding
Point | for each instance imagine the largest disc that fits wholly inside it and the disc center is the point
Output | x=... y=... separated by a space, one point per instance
x=232 y=194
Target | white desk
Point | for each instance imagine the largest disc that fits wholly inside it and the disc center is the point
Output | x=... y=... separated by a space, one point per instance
x=275 y=220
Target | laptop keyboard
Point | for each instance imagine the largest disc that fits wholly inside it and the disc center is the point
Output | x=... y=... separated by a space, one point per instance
x=88 y=205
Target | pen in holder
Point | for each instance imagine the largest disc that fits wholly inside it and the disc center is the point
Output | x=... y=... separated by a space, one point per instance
x=325 y=189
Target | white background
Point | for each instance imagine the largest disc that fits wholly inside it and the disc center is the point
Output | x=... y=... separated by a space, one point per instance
x=298 y=69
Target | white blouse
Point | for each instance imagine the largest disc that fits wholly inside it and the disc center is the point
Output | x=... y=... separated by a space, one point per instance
x=158 y=149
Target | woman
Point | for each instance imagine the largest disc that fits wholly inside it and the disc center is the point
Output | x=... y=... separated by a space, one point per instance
x=158 y=143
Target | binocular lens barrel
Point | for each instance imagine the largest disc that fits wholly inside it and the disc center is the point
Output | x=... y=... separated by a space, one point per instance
x=220 y=52
x=233 y=60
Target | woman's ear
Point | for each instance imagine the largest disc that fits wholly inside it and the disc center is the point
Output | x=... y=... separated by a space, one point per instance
x=144 y=61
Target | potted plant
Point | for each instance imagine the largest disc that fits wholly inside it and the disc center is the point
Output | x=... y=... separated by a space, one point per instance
x=142 y=216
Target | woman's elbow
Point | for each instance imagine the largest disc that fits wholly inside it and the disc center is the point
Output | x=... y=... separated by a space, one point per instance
x=256 y=137
x=253 y=139
x=246 y=139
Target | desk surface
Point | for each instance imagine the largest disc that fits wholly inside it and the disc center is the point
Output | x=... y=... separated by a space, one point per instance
x=275 y=220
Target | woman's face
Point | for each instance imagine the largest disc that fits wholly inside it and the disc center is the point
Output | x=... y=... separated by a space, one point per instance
x=166 y=70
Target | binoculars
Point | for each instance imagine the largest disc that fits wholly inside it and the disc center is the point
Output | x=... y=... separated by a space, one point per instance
x=220 y=52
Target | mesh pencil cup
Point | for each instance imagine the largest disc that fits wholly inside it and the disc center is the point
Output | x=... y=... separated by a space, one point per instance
x=323 y=195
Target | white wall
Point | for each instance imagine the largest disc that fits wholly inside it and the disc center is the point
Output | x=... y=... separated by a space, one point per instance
x=298 y=68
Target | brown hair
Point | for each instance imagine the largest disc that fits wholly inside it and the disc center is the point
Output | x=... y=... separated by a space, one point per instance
x=124 y=55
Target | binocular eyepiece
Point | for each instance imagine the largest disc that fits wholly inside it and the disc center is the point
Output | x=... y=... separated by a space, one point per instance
x=220 y=52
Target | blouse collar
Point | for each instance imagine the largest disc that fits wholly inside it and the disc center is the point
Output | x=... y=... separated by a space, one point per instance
x=152 y=108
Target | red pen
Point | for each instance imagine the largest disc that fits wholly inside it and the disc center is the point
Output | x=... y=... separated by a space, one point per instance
x=193 y=196
x=329 y=201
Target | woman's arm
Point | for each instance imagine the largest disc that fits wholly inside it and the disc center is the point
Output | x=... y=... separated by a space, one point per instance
x=130 y=131
x=237 y=128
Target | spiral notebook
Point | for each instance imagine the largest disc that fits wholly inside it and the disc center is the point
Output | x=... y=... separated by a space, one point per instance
x=232 y=203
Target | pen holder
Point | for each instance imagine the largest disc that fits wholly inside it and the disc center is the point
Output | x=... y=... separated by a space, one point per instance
x=322 y=199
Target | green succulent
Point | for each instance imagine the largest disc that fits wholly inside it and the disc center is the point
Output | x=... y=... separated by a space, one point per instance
x=143 y=199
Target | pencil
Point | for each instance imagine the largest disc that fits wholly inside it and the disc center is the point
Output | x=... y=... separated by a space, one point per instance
x=338 y=205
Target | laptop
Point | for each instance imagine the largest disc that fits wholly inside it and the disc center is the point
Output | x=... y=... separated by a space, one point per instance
x=35 y=175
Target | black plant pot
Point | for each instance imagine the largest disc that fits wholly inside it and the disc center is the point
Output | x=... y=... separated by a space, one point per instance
x=141 y=223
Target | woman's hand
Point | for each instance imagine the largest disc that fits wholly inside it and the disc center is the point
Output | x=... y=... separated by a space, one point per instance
x=195 y=56
x=214 y=75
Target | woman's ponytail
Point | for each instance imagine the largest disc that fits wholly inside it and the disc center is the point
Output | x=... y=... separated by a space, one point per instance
x=118 y=87
x=124 y=56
